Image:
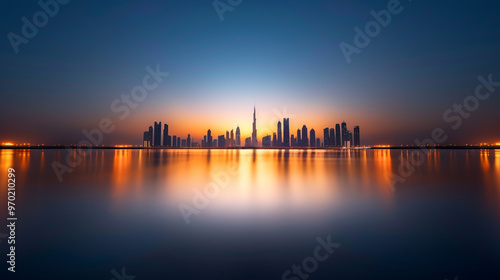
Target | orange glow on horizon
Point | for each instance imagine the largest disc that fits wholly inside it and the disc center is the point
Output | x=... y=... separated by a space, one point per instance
x=8 y=144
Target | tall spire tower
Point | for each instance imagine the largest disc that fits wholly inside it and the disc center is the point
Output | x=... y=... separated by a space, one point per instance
x=254 y=129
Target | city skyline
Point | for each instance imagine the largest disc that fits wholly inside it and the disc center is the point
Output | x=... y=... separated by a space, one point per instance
x=278 y=139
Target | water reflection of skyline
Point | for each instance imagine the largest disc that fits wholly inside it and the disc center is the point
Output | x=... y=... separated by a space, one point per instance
x=267 y=180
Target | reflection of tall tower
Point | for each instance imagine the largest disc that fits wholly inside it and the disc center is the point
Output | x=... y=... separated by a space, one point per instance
x=238 y=137
x=254 y=130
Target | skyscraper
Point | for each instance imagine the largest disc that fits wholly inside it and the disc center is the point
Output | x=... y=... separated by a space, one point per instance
x=299 y=139
x=266 y=141
x=150 y=136
x=337 y=136
x=221 y=142
x=209 y=138
x=326 y=137
x=157 y=136
x=238 y=137
x=357 y=143
x=332 y=137
x=344 y=134
x=165 y=135
x=174 y=144
x=286 y=132
x=145 y=140
x=279 y=140
x=188 y=142
x=254 y=130
x=275 y=144
x=312 y=137
x=305 y=141
x=231 y=141
x=248 y=142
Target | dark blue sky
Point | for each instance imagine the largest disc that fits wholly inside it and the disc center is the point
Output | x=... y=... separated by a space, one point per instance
x=284 y=56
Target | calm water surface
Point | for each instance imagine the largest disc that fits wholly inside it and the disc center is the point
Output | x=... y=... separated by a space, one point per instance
x=257 y=214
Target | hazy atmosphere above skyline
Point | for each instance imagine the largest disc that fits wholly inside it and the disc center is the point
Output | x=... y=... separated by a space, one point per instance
x=283 y=56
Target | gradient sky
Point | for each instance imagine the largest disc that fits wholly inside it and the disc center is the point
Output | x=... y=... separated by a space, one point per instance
x=284 y=56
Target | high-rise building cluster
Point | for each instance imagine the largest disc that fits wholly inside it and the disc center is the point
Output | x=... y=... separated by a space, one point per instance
x=154 y=137
x=338 y=137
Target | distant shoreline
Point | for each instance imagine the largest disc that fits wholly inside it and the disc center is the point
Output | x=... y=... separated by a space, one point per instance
x=247 y=148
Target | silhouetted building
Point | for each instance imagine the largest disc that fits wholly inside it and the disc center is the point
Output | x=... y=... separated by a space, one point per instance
x=345 y=135
x=332 y=137
x=231 y=141
x=275 y=144
x=357 y=142
x=266 y=141
x=326 y=137
x=238 y=137
x=248 y=142
x=174 y=144
x=146 y=142
x=254 y=130
x=183 y=143
x=312 y=137
x=209 y=138
x=165 y=135
x=214 y=143
x=151 y=136
x=317 y=142
x=298 y=141
x=279 y=140
x=294 y=142
x=337 y=136
x=286 y=132
x=221 y=141
x=157 y=135
x=305 y=141
x=188 y=142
